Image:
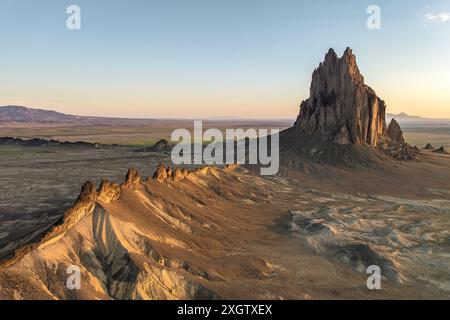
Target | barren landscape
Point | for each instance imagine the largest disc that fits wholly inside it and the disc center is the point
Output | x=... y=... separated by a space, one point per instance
x=231 y=234
x=354 y=190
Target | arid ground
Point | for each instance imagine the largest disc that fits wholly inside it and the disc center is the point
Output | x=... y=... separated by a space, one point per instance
x=145 y=133
x=224 y=234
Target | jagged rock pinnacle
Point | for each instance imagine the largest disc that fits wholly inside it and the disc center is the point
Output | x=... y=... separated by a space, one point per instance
x=132 y=179
x=341 y=108
x=88 y=192
x=108 y=191
x=162 y=173
x=331 y=54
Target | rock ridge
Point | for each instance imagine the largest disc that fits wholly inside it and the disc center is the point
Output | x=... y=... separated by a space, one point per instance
x=107 y=192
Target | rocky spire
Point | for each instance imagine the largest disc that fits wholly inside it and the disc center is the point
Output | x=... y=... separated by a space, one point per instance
x=395 y=133
x=88 y=192
x=162 y=173
x=341 y=108
x=132 y=179
x=108 y=191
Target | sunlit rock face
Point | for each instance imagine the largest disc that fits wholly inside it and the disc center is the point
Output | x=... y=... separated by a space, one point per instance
x=341 y=108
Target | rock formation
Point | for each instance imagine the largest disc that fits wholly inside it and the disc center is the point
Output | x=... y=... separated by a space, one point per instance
x=128 y=245
x=162 y=173
x=404 y=152
x=37 y=142
x=88 y=192
x=179 y=174
x=341 y=108
x=108 y=192
x=161 y=146
x=441 y=150
x=343 y=120
x=132 y=179
x=429 y=146
x=395 y=133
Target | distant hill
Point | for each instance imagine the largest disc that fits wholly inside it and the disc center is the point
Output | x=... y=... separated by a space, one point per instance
x=404 y=117
x=20 y=114
x=23 y=114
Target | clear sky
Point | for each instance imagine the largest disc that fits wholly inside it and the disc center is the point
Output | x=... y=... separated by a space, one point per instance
x=208 y=58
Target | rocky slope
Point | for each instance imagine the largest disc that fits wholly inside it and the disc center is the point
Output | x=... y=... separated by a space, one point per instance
x=117 y=258
x=152 y=239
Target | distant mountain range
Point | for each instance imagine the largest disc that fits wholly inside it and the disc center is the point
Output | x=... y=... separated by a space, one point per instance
x=20 y=114
x=402 y=117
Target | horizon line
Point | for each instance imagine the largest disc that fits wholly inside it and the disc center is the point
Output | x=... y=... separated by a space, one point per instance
x=210 y=118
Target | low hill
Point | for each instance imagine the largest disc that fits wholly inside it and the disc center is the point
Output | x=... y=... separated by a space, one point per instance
x=23 y=115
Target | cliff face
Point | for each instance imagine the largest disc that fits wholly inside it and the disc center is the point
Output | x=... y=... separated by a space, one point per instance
x=341 y=108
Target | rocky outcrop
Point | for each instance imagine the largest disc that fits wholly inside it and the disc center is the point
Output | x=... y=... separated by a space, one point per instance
x=36 y=142
x=405 y=152
x=179 y=174
x=132 y=179
x=88 y=192
x=108 y=192
x=429 y=146
x=341 y=108
x=83 y=206
x=161 y=146
x=395 y=133
x=164 y=173
x=441 y=150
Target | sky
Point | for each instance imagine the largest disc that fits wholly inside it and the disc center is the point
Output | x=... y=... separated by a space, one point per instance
x=217 y=58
